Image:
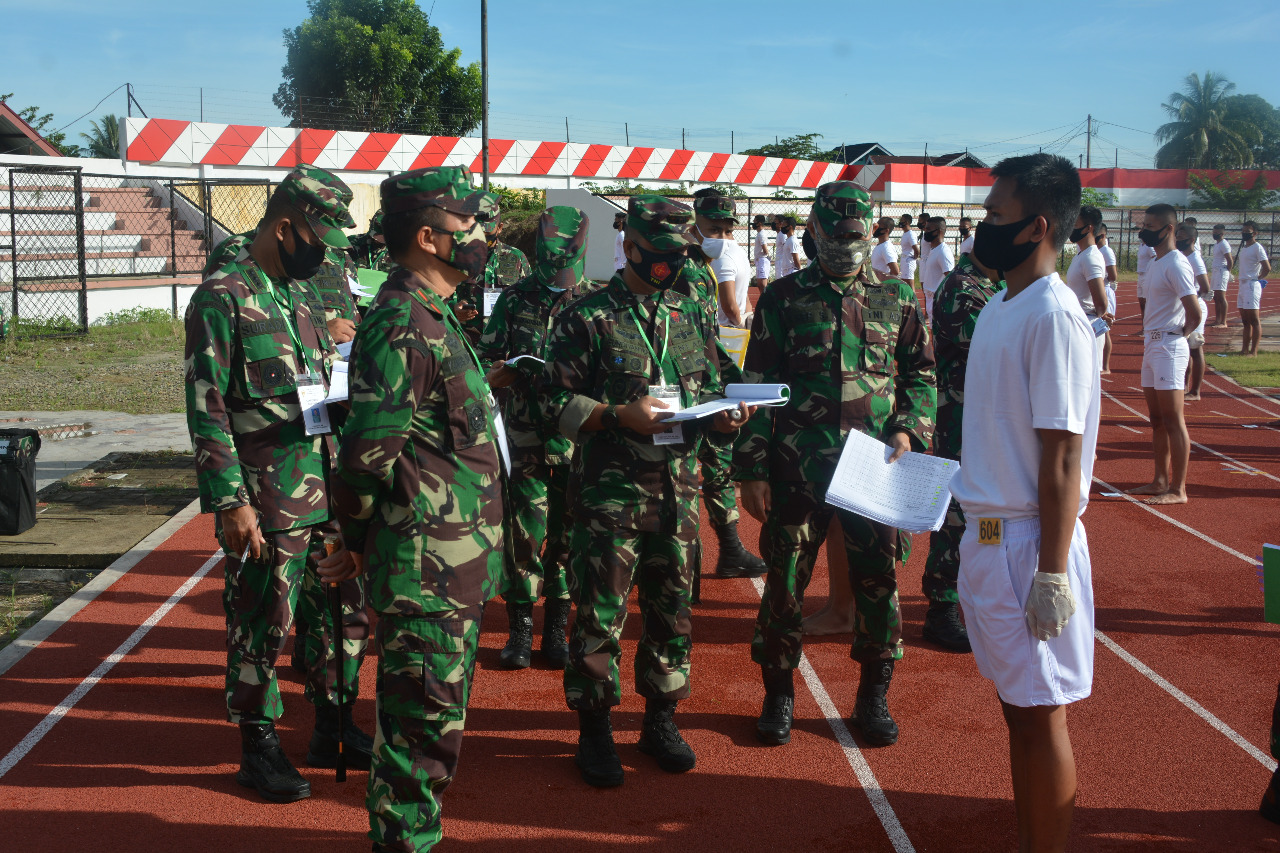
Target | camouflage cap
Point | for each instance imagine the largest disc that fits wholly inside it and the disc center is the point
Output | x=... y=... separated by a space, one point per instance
x=448 y=187
x=716 y=207
x=842 y=207
x=490 y=212
x=375 y=227
x=322 y=198
x=664 y=223
x=560 y=251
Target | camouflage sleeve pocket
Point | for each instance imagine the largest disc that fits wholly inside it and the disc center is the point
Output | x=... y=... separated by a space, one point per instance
x=877 y=352
x=423 y=670
x=467 y=422
x=269 y=368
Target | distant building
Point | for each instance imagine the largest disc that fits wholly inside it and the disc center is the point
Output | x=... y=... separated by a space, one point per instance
x=18 y=137
x=875 y=154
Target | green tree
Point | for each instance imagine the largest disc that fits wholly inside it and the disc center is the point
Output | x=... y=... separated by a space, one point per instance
x=1203 y=133
x=376 y=65
x=798 y=147
x=1259 y=112
x=104 y=141
x=1226 y=191
x=56 y=138
x=1097 y=198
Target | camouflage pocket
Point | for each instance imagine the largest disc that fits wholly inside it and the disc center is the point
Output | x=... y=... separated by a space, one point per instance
x=877 y=351
x=468 y=424
x=423 y=670
x=269 y=367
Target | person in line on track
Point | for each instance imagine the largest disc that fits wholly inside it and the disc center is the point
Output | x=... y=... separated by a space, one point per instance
x=619 y=226
x=787 y=456
x=1254 y=266
x=1032 y=399
x=787 y=249
x=938 y=262
x=908 y=249
x=760 y=252
x=536 y=495
x=419 y=497
x=924 y=246
x=1146 y=255
x=884 y=257
x=966 y=236
x=1109 y=261
x=618 y=360
x=1172 y=313
x=1086 y=277
x=1220 y=275
x=258 y=356
x=1186 y=241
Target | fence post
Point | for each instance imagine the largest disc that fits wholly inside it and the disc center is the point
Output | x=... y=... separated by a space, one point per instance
x=13 y=235
x=173 y=248
x=78 y=183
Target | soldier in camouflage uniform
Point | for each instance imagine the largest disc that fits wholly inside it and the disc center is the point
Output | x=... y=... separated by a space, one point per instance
x=256 y=340
x=857 y=356
x=614 y=356
x=536 y=509
x=419 y=498
x=956 y=305
x=506 y=265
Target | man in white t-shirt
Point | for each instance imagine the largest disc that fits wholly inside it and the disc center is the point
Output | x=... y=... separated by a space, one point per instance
x=1146 y=255
x=1172 y=313
x=923 y=246
x=760 y=252
x=1186 y=238
x=908 y=249
x=715 y=219
x=1254 y=266
x=1088 y=272
x=884 y=257
x=966 y=236
x=1030 y=426
x=786 y=252
x=619 y=256
x=1109 y=261
x=937 y=263
x=1220 y=274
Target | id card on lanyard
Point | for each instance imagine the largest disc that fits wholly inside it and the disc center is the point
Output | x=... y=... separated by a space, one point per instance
x=311 y=388
x=668 y=393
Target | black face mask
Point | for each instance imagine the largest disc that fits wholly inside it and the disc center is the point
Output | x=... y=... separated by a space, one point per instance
x=658 y=269
x=1152 y=238
x=1183 y=245
x=964 y=232
x=1246 y=236
x=304 y=261
x=1078 y=234
x=993 y=245
x=806 y=243
x=930 y=236
x=880 y=232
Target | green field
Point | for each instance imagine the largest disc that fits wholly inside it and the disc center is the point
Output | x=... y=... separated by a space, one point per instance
x=1260 y=371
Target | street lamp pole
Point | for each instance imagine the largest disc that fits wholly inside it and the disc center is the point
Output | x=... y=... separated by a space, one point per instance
x=484 y=90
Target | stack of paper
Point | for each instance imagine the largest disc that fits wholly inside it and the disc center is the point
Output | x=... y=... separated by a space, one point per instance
x=911 y=493
x=737 y=394
x=337 y=383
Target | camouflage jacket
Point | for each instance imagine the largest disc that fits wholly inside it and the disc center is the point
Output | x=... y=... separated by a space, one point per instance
x=837 y=349
x=506 y=266
x=418 y=489
x=330 y=283
x=242 y=396
x=698 y=282
x=596 y=355
x=956 y=306
x=520 y=324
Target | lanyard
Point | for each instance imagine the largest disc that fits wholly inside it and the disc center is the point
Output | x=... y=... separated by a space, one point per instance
x=666 y=334
x=290 y=321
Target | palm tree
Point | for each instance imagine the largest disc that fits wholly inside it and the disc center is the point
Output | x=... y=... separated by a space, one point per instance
x=105 y=139
x=1204 y=134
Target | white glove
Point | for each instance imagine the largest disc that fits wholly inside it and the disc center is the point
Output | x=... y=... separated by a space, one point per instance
x=1049 y=605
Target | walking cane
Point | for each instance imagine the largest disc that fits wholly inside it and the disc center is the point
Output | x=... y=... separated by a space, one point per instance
x=334 y=590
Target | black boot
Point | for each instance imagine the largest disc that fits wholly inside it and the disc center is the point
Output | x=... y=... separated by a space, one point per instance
x=518 y=652
x=1270 y=808
x=942 y=626
x=660 y=738
x=264 y=766
x=555 y=616
x=774 y=725
x=357 y=746
x=871 y=710
x=597 y=758
x=735 y=560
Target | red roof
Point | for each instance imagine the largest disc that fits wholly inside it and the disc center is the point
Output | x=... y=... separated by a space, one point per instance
x=18 y=137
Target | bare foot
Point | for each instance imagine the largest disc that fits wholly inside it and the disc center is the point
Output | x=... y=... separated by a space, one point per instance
x=1167 y=498
x=1218 y=326
x=1190 y=396
x=825 y=622
x=1148 y=489
x=1106 y=371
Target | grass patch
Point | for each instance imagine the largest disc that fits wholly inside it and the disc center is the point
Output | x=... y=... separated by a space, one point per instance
x=1260 y=371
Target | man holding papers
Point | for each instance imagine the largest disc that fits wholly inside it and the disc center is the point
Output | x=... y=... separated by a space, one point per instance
x=857 y=356
x=1030 y=425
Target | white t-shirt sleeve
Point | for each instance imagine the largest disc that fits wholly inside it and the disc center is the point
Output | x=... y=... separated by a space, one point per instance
x=1094 y=267
x=1197 y=264
x=966 y=246
x=1108 y=256
x=1061 y=355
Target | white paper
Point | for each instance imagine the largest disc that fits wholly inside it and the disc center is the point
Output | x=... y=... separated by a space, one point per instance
x=344 y=349
x=675 y=433
x=339 y=389
x=911 y=493
x=357 y=290
x=490 y=299
x=503 y=448
x=737 y=394
x=512 y=361
x=1111 y=494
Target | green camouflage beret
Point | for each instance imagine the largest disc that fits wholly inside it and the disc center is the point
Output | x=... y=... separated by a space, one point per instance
x=447 y=187
x=560 y=251
x=842 y=207
x=664 y=223
x=490 y=212
x=322 y=198
x=716 y=207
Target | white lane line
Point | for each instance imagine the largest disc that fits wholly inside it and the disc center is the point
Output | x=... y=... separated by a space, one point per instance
x=1221 y=414
x=1266 y=412
x=1244 y=465
x=82 y=689
x=1199 y=710
x=1130 y=429
x=879 y=802
x=1178 y=524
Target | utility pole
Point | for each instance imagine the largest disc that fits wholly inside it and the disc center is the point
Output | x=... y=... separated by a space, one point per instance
x=926 y=179
x=731 y=142
x=566 y=129
x=682 y=145
x=1088 y=142
x=626 y=128
x=484 y=92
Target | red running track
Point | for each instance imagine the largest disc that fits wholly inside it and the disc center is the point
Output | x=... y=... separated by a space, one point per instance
x=143 y=761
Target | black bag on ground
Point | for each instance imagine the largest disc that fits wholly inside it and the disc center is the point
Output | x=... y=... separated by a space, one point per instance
x=18 y=449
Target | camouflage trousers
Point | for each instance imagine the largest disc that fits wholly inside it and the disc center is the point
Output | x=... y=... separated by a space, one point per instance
x=942 y=568
x=537 y=514
x=259 y=598
x=425 y=667
x=717 y=484
x=607 y=563
x=793 y=535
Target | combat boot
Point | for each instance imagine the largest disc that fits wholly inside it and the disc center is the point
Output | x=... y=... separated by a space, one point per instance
x=597 y=757
x=943 y=627
x=518 y=652
x=555 y=621
x=660 y=738
x=265 y=768
x=1270 y=808
x=735 y=560
x=357 y=746
x=774 y=725
x=871 y=709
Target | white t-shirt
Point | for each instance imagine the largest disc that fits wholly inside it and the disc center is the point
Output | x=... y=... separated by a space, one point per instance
x=925 y=248
x=734 y=266
x=1146 y=255
x=935 y=267
x=1109 y=260
x=882 y=255
x=1197 y=267
x=619 y=257
x=761 y=248
x=1251 y=258
x=908 y=240
x=1221 y=249
x=1168 y=280
x=1085 y=267
x=787 y=246
x=966 y=245
x=1033 y=364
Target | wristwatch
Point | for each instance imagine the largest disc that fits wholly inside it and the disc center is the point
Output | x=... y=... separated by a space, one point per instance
x=609 y=418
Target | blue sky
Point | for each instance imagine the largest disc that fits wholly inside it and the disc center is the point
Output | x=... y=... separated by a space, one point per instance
x=999 y=77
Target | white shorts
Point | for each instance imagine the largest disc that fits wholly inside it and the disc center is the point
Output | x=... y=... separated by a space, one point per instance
x=995 y=581
x=1220 y=280
x=1164 y=362
x=762 y=267
x=928 y=304
x=908 y=269
x=1204 y=316
x=1111 y=300
x=1249 y=296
